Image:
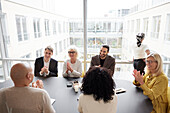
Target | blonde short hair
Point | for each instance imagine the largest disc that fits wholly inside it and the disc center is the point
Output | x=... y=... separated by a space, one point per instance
x=73 y=47
x=159 y=67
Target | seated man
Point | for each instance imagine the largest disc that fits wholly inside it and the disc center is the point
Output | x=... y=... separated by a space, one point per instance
x=104 y=60
x=46 y=66
x=21 y=98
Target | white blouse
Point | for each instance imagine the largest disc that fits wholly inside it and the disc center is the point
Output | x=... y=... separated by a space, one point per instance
x=139 y=52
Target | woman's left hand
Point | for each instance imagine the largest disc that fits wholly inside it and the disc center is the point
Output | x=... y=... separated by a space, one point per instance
x=138 y=76
x=69 y=67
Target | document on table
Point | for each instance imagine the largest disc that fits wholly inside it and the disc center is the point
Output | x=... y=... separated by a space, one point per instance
x=52 y=101
x=120 y=90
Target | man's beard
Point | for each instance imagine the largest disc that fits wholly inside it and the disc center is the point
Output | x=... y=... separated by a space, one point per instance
x=102 y=56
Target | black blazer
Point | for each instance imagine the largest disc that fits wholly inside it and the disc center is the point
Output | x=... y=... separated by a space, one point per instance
x=109 y=63
x=53 y=67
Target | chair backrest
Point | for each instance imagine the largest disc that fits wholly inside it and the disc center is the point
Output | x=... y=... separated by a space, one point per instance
x=82 y=74
x=168 y=100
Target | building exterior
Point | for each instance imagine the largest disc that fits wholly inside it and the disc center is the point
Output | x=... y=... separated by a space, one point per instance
x=99 y=31
x=154 y=21
x=28 y=26
x=32 y=27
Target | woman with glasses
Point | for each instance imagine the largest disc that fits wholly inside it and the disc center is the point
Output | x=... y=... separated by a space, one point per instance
x=139 y=49
x=98 y=89
x=154 y=83
x=72 y=67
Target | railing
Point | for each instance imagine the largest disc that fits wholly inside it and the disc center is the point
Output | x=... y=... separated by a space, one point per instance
x=123 y=69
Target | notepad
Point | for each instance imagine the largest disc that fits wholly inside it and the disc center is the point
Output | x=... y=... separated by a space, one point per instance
x=52 y=101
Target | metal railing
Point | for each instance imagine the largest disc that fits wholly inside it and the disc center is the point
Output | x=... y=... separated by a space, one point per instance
x=123 y=69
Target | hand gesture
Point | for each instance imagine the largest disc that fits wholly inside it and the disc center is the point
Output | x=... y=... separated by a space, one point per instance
x=45 y=69
x=138 y=76
x=69 y=67
x=38 y=84
x=42 y=70
x=98 y=66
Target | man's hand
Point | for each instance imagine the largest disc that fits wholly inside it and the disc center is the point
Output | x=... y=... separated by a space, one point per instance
x=44 y=70
x=98 y=66
x=38 y=84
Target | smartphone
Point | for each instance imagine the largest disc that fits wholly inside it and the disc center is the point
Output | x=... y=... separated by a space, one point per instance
x=120 y=90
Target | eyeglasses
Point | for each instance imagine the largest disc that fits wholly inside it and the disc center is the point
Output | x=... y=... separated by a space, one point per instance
x=71 y=52
x=150 y=61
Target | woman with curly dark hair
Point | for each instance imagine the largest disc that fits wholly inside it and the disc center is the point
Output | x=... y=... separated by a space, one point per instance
x=98 y=92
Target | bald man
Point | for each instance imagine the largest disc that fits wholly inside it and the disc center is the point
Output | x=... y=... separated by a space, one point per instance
x=21 y=98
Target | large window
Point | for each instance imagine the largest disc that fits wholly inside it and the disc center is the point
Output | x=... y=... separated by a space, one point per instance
x=62 y=21
x=145 y=25
x=91 y=26
x=167 y=29
x=47 y=27
x=39 y=53
x=166 y=67
x=61 y=46
x=54 y=27
x=137 y=26
x=36 y=24
x=59 y=27
x=65 y=43
x=132 y=26
x=1 y=69
x=128 y=26
x=156 y=26
x=56 y=48
x=21 y=28
x=64 y=27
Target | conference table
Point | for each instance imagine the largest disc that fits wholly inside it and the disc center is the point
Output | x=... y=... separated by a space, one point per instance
x=66 y=99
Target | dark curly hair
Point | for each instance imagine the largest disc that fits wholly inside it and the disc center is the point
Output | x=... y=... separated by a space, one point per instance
x=99 y=83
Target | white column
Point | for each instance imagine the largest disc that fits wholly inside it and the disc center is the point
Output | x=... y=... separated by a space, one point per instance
x=85 y=32
x=3 y=47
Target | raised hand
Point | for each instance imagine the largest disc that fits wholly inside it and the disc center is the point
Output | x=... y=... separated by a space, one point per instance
x=138 y=76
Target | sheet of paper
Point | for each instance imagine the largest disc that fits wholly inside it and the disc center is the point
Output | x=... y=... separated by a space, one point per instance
x=52 y=101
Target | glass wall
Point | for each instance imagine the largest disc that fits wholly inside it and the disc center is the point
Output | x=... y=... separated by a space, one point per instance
x=21 y=28
x=145 y=26
x=156 y=27
x=61 y=25
x=1 y=70
x=167 y=30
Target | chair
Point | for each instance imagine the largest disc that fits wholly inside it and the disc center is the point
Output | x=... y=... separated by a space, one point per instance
x=82 y=74
x=168 y=100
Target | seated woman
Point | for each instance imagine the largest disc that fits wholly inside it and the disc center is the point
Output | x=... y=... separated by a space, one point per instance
x=98 y=92
x=72 y=67
x=154 y=83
